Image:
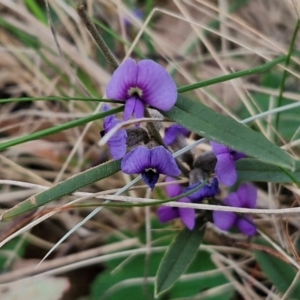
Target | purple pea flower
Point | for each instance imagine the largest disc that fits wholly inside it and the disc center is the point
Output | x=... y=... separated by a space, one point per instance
x=117 y=143
x=207 y=191
x=225 y=167
x=150 y=163
x=168 y=213
x=172 y=132
x=142 y=83
x=246 y=197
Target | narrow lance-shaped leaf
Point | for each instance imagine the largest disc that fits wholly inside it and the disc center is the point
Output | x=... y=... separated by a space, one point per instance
x=178 y=257
x=64 y=188
x=250 y=169
x=225 y=130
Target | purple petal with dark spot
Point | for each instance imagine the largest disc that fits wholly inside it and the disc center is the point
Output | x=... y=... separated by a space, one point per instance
x=167 y=213
x=136 y=161
x=172 y=132
x=247 y=194
x=224 y=220
x=123 y=78
x=246 y=226
x=187 y=215
x=174 y=189
x=159 y=89
x=163 y=161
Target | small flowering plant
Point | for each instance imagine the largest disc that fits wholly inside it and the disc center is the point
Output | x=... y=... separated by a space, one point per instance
x=218 y=162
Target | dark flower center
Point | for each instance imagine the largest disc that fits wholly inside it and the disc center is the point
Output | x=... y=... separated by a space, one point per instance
x=150 y=177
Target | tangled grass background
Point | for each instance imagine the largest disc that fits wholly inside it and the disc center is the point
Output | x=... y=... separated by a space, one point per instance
x=117 y=252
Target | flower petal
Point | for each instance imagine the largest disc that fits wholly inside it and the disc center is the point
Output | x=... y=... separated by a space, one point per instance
x=129 y=108
x=247 y=194
x=246 y=226
x=134 y=106
x=167 y=213
x=219 y=148
x=224 y=220
x=150 y=178
x=174 y=189
x=207 y=191
x=159 y=89
x=123 y=78
x=187 y=215
x=117 y=143
x=225 y=169
x=237 y=155
x=172 y=132
x=163 y=161
x=136 y=161
x=233 y=200
x=139 y=109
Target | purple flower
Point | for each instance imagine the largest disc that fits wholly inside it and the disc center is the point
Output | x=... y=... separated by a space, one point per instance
x=207 y=191
x=172 y=132
x=150 y=163
x=246 y=197
x=142 y=83
x=225 y=167
x=117 y=143
x=168 y=213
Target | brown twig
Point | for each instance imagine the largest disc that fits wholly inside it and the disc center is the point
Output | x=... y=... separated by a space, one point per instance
x=81 y=9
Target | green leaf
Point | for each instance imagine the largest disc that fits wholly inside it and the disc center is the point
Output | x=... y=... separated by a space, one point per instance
x=223 y=129
x=277 y=271
x=250 y=169
x=178 y=257
x=64 y=188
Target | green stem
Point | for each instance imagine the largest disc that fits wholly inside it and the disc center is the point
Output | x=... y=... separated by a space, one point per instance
x=152 y=203
x=65 y=126
x=260 y=69
x=56 y=98
x=284 y=76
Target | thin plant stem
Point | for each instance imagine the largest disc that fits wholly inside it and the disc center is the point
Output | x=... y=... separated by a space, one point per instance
x=260 y=69
x=285 y=73
x=45 y=132
x=81 y=9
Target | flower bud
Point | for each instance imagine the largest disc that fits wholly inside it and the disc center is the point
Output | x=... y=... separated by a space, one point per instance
x=136 y=136
x=206 y=162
